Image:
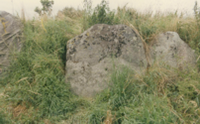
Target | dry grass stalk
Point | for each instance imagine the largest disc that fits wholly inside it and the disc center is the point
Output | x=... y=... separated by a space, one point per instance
x=108 y=118
x=17 y=111
x=146 y=48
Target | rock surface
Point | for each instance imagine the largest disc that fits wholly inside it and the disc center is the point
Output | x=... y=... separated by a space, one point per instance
x=10 y=33
x=90 y=56
x=170 y=49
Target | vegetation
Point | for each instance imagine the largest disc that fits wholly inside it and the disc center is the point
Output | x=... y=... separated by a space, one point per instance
x=46 y=7
x=34 y=88
x=100 y=15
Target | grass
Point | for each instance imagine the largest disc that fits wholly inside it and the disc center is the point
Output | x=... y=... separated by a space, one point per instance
x=33 y=90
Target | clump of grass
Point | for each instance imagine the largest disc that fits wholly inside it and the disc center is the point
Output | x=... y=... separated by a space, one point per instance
x=3 y=118
x=125 y=96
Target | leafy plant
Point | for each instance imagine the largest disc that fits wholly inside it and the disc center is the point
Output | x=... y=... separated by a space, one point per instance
x=46 y=7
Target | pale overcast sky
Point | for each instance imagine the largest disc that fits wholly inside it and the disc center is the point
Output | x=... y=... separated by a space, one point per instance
x=14 y=6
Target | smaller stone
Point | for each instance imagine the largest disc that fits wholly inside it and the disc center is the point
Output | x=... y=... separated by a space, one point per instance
x=170 y=49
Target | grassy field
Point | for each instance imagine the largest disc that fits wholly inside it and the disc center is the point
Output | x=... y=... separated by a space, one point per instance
x=34 y=91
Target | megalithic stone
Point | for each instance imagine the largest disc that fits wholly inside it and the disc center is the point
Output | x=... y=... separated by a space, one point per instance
x=91 y=56
x=168 y=48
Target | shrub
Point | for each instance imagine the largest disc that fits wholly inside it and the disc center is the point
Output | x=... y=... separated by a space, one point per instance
x=46 y=7
x=100 y=15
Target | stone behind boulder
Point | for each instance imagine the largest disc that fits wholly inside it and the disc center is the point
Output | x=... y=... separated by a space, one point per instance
x=10 y=34
x=90 y=56
x=168 y=48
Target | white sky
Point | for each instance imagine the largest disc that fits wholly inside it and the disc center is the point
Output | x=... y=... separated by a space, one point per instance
x=15 y=6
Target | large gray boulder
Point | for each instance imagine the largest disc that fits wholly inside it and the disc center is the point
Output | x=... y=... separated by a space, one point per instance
x=91 y=56
x=10 y=35
x=169 y=49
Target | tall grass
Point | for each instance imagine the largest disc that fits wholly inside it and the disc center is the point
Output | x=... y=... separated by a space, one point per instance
x=36 y=79
x=34 y=89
